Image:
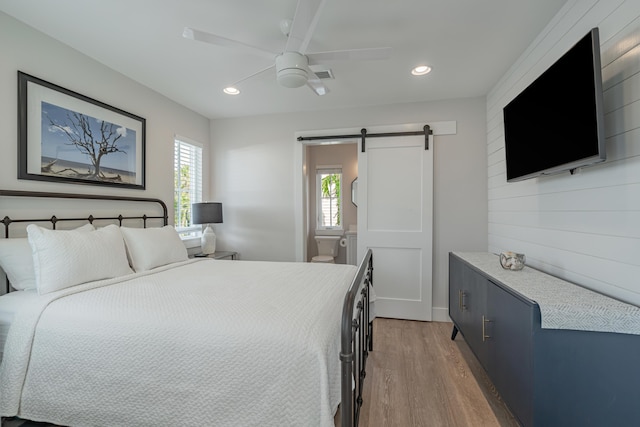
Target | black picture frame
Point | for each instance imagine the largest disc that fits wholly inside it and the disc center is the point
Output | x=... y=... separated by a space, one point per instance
x=64 y=136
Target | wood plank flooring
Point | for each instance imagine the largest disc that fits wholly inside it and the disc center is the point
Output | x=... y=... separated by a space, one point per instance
x=417 y=376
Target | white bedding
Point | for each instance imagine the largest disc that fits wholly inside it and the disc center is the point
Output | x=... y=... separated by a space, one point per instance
x=10 y=304
x=201 y=342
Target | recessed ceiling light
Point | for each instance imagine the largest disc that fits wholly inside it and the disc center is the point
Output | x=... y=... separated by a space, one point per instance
x=421 y=70
x=231 y=91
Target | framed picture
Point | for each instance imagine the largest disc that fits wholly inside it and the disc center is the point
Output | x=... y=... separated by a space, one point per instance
x=64 y=136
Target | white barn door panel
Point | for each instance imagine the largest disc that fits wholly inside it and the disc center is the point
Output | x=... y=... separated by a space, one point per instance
x=395 y=220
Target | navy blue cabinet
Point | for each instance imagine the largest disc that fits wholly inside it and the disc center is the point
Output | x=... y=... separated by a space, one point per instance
x=547 y=377
x=496 y=325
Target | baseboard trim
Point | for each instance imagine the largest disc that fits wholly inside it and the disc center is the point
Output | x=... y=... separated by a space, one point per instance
x=440 y=314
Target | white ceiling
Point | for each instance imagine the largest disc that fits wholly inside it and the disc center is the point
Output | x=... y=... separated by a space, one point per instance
x=469 y=44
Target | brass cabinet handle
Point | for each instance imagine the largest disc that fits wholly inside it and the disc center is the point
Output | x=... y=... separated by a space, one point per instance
x=461 y=296
x=484 y=334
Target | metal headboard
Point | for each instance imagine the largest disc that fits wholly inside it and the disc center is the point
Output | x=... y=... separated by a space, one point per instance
x=7 y=221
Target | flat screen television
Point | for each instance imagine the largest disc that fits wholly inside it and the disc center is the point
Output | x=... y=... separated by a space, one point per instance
x=557 y=123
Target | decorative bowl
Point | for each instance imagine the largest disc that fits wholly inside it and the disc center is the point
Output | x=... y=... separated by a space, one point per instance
x=512 y=260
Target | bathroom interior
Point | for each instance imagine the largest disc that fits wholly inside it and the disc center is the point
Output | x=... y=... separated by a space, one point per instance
x=333 y=245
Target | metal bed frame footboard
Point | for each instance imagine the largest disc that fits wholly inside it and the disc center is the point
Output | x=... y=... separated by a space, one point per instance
x=356 y=341
x=7 y=221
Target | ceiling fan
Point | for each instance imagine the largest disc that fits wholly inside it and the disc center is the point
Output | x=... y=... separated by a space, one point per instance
x=292 y=64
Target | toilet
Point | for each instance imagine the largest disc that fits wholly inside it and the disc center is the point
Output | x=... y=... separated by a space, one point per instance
x=327 y=249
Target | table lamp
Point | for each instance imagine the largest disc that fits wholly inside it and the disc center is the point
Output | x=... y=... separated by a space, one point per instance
x=207 y=213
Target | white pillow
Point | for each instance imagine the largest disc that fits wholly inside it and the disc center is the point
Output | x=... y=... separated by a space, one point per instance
x=149 y=248
x=16 y=261
x=64 y=258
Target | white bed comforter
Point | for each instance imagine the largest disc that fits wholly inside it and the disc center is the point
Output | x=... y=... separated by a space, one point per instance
x=199 y=343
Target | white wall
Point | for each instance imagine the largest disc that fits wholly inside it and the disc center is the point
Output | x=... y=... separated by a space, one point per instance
x=584 y=228
x=25 y=49
x=253 y=170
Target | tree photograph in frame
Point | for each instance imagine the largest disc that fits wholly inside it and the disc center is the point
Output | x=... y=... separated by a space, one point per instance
x=64 y=136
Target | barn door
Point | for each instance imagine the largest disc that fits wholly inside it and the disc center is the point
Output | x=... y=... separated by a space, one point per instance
x=395 y=218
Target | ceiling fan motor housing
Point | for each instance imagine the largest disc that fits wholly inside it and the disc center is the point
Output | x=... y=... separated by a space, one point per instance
x=291 y=69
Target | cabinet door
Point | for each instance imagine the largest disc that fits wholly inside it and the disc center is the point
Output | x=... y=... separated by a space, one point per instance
x=467 y=304
x=510 y=350
x=475 y=303
x=456 y=286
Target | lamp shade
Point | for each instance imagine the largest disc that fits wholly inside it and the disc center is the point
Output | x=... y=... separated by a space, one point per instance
x=206 y=213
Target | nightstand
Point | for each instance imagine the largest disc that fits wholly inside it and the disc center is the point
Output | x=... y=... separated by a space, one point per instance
x=219 y=255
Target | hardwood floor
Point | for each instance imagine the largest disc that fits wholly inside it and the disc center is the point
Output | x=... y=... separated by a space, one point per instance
x=417 y=376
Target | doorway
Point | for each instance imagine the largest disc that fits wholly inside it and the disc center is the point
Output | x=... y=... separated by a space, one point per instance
x=341 y=216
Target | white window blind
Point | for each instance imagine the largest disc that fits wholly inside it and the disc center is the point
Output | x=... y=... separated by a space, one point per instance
x=328 y=197
x=187 y=172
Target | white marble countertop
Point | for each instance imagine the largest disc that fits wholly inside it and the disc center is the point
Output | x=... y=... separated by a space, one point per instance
x=563 y=305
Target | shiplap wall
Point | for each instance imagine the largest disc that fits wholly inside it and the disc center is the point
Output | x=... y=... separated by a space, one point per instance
x=585 y=227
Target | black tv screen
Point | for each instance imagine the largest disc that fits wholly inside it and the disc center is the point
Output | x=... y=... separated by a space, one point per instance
x=557 y=123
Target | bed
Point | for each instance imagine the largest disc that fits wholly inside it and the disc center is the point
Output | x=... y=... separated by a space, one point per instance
x=155 y=338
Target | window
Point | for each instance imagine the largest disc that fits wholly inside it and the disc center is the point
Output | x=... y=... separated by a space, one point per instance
x=328 y=197
x=187 y=172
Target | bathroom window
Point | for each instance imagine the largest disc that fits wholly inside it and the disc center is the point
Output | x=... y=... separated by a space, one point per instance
x=187 y=172
x=329 y=197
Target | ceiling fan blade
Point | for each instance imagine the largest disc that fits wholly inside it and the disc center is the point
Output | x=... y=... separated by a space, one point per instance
x=252 y=75
x=349 y=55
x=203 y=36
x=303 y=25
x=317 y=86
x=315 y=83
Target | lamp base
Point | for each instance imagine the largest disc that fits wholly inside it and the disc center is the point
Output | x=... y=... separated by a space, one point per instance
x=208 y=241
